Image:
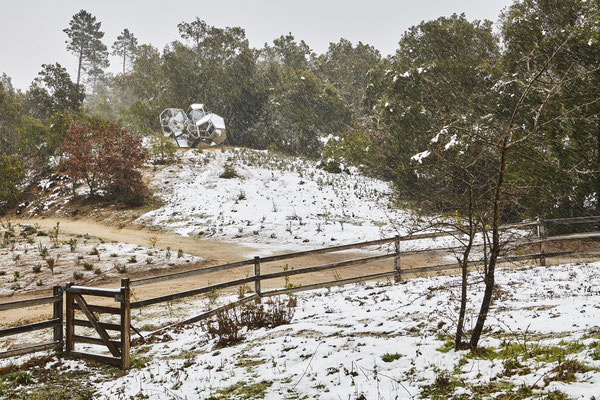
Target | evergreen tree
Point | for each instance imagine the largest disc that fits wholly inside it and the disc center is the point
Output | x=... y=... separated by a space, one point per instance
x=53 y=91
x=85 y=41
x=347 y=68
x=125 y=47
x=286 y=51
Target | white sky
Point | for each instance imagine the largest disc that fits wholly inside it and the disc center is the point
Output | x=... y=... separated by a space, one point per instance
x=31 y=31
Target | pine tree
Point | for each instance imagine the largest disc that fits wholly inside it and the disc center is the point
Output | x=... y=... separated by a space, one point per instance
x=85 y=41
x=125 y=47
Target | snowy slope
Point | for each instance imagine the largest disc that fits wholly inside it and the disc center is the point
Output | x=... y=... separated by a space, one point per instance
x=335 y=346
x=275 y=200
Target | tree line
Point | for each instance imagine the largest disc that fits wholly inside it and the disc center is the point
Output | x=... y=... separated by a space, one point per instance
x=442 y=100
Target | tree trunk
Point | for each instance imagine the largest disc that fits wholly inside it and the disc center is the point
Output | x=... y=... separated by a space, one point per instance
x=494 y=253
x=598 y=177
x=463 y=299
x=124 y=57
x=79 y=66
x=464 y=270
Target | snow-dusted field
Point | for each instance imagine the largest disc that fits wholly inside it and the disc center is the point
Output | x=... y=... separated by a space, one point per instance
x=32 y=259
x=274 y=199
x=384 y=341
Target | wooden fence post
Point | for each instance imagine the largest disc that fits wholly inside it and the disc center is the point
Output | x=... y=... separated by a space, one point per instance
x=257 y=289
x=542 y=238
x=125 y=323
x=58 y=314
x=70 y=316
x=397 y=272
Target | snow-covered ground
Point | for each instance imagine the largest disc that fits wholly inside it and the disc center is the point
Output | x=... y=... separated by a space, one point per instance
x=385 y=341
x=31 y=259
x=274 y=199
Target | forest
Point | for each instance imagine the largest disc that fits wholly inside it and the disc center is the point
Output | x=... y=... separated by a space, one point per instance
x=465 y=117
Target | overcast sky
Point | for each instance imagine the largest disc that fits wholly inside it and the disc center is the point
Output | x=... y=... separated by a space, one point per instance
x=31 y=31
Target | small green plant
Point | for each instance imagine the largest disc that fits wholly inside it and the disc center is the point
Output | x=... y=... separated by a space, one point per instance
x=36 y=268
x=132 y=259
x=389 y=357
x=88 y=266
x=565 y=371
x=39 y=283
x=287 y=283
x=43 y=250
x=149 y=260
x=121 y=268
x=15 y=286
x=97 y=271
x=77 y=275
x=212 y=296
x=168 y=253
x=113 y=255
x=95 y=252
x=55 y=232
x=17 y=275
x=229 y=172
x=72 y=244
x=51 y=262
x=242 y=290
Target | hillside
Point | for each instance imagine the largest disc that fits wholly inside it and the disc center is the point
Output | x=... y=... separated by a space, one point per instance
x=269 y=199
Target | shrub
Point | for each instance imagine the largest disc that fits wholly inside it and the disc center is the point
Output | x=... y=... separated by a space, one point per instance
x=77 y=274
x=227 y=326
x=162 y=149
x=121 y=268
x=12 y=174
x=72 y=244
x=229 y=172
x=388 y=357
x=36 y=268
x=88 y=266
x=43 y=250
x=51 y=262
x=106 y=157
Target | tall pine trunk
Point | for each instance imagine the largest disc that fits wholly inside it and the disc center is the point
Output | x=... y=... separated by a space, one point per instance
x=80 y=64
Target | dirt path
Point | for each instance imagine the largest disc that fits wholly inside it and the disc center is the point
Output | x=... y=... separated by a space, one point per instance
x=211 y=250
x=215 y=252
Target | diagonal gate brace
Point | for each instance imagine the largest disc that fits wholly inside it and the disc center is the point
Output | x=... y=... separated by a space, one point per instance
x=96 y=324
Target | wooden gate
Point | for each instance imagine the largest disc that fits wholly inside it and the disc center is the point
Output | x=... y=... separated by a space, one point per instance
x=119 y=349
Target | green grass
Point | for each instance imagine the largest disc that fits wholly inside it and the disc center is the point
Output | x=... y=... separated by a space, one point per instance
x=387 y=357
x=33 y=381
x=242 y=391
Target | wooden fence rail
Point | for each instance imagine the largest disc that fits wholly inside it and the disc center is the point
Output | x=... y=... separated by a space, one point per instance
x=119 y=349
x=55 y=323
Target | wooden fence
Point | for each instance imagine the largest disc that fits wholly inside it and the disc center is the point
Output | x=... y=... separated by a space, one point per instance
x=120 y=349
x=55 y=323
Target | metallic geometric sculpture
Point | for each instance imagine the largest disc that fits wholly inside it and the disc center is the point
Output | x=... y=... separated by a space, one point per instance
x=197 y=126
